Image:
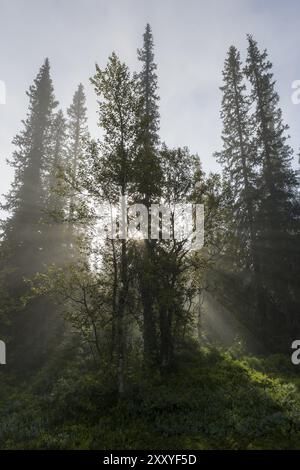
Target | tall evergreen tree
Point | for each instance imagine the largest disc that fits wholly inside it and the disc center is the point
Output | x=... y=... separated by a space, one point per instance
x=23 y=233
x=147 y=80
x=239 y=161
x=238 y=157
x=148 y=180
x=56 y=204
x=147 y=166
x=77 y=136
x=26 y=199
x=277 y=183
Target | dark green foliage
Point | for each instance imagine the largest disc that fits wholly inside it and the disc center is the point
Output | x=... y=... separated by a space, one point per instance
x=278 y=209
x=213 y=401
x=24 y=234
x=78 y=136
x=53 y=213
x=131 y=363
x=263 y=249
x=147 y=80
x=239 y=160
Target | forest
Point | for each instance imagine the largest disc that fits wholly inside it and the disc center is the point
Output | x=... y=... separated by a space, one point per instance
x=143 y=342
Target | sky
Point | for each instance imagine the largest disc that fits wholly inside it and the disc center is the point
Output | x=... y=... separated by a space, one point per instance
x=191 y=41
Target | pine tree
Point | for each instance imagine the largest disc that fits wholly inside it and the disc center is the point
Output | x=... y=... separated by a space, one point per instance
x=26 y=199
x=147 y=165
x=239 y=160
x=147 y=80
x=56 y=204
x=148 y=180
x=23 y=233
x=77 y=136
x=277 y=184
x=238 y=157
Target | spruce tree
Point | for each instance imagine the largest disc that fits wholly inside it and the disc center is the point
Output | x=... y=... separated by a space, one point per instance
x=147 y=165
x=238 y=157
x=56 y=204
x=23 y=233
x=239 y=161
x=147 y=80
x=77 y=136
x=148 y=180
x=277 y=185
x=25 y=201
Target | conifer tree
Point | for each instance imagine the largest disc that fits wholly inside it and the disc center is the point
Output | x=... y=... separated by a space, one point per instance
x=26 y=199
x=23 y=232
x=147 y=80
x=277 y=184
x=56 y=204
x=239 y=160
x=148 y=180
x=238 y=157
x=147 y=167
x=77 y=136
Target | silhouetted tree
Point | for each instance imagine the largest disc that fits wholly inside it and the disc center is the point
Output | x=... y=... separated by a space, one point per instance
x=147 y=181
x=24 y=238
x=277 y=218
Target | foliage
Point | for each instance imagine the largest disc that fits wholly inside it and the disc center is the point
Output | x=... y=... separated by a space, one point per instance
x=212 y=401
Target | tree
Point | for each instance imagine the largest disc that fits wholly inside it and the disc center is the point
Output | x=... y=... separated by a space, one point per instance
x=239 y=161
x=23 y=233
x=147 y=81
x=147 y=181
x=181 y=173
x=78 y=136
x=56 y=243
x=238 y=156
x=112 y=177
x=277 y=185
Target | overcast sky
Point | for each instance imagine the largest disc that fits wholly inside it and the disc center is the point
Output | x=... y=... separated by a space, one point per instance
x=191 y=40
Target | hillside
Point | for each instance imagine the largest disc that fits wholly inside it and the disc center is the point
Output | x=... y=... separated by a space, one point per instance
x=212 y=401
